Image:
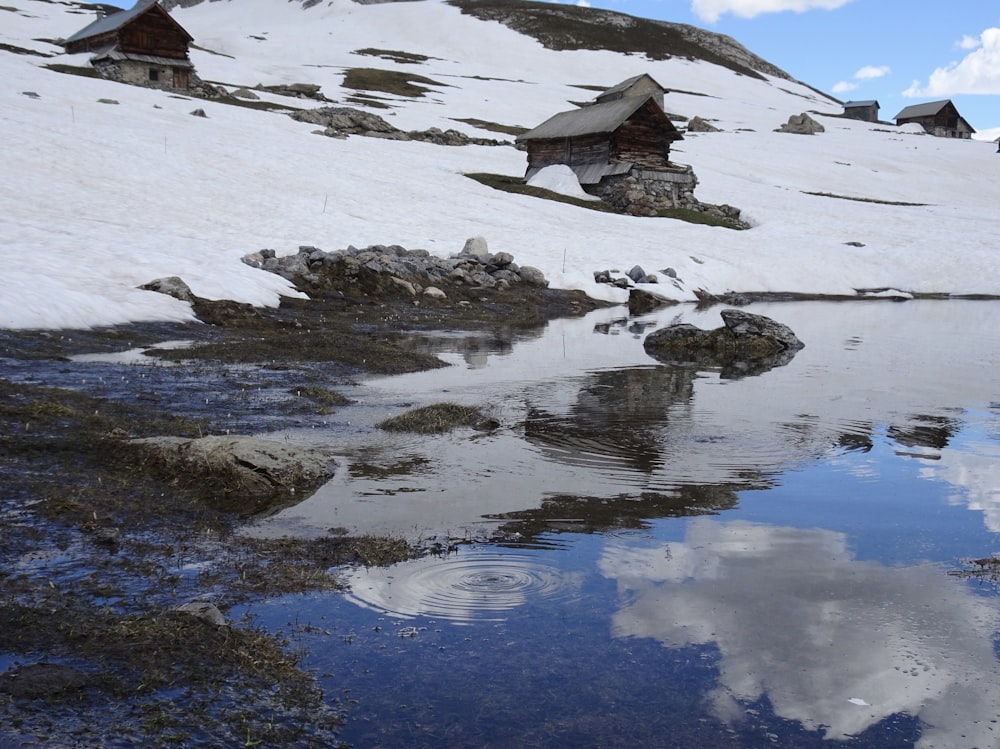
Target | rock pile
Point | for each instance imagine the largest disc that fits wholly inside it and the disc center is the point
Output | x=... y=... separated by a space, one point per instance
x=339 y=122
x=418 y=272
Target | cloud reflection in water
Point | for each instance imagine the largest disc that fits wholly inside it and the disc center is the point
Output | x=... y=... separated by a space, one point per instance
x=798 y=620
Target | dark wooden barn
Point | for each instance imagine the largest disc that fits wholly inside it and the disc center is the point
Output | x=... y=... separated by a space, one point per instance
x=143 y=46
x=618 y=147
x=862 y=110
x=939 y=118
x=626 y=125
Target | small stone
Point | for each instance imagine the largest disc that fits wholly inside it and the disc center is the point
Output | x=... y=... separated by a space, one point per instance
x=205 y=611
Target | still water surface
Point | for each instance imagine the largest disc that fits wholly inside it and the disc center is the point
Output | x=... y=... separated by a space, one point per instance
x=686 y=560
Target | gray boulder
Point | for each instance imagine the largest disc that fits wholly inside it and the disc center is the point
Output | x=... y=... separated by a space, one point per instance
x=245 y=93
x=641 y=301
x=533 y=277
x=700 y=125
x=207 y=612
x=476 y=246
x=801 y=124
x=746 y=345
x=171 y=286
x=251 y=475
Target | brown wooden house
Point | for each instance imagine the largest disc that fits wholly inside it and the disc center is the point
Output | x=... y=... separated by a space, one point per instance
x=862 y=110
x=625 y=135
x=939 y=118
x=143 y=46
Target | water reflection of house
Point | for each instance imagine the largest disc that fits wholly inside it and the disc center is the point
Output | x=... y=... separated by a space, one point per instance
x=939 y=118
x=617 y=421
x=143 y=46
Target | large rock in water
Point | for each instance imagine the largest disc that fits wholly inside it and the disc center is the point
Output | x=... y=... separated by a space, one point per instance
x=746 y=345
x=246 y=474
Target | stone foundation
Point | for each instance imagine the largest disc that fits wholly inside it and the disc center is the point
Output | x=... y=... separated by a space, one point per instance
x=645 y=192
x=648 y=192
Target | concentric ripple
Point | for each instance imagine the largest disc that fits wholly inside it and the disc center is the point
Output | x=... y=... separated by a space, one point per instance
x=468 y=586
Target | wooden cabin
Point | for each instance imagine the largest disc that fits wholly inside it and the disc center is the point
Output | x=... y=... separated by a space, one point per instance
x=939 y=118
x=619 y=148
x=626 y=123
x=143 y=46
x=862 y=110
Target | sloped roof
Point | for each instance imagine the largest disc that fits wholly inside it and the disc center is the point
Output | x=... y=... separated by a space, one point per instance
x=865 y=103
x=115 y=53
x=115 y=21
x=594 y=119
x=627 y=84
x=927 y=109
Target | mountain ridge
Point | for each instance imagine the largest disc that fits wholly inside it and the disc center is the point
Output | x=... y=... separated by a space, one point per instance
x=562 y=27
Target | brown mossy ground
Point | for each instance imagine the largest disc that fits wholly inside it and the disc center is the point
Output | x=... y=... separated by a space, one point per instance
x=95 y=548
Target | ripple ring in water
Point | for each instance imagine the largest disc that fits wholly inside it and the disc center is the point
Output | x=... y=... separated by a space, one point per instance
x=462 y=588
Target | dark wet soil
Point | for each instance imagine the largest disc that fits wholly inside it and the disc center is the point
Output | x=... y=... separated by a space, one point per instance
x=98 y=551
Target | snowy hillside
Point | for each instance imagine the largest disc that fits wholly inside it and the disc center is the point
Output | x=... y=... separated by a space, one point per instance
x=97 y=198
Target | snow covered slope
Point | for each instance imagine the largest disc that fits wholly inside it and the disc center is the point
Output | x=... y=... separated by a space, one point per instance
x=97 y=198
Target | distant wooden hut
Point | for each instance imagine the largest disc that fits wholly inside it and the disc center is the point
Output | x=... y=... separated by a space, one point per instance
x=620 y=142
x=143 y=46
x=939 y=118
x=862 y=110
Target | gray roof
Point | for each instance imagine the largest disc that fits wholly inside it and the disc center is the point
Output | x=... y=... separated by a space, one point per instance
x=923 y=110
x=625 y=85
x=113 y=22
x=605 y=117
x=114 y=53
x=865 y=103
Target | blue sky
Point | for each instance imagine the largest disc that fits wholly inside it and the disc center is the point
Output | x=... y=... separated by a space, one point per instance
x=897 y=53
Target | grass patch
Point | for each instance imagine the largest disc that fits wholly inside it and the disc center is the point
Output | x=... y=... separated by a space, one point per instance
x=864 y=200
x=388 y=82
x=518 y=186
x=369 y=101
x=698 y=217
x=22 y=51
x=81 y=70
x=493 y=127
x=258 y=104
x=439 y=418
x=326 y=399
x=405 y=58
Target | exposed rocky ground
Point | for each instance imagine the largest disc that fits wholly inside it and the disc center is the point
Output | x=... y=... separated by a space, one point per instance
x=122 y=560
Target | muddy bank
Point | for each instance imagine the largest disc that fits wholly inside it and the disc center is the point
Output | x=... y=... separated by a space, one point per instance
x=100 y=548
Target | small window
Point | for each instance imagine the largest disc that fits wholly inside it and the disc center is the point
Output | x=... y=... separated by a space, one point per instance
x=154 y=74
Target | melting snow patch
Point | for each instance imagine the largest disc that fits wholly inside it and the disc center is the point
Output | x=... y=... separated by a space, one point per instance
x=561 y=179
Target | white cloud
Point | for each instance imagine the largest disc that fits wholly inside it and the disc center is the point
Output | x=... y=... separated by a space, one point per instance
x=583 y=4
x=977 y=73
x=872 y=71
x=968 y=42
x=842 y=87
x=711 y=10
